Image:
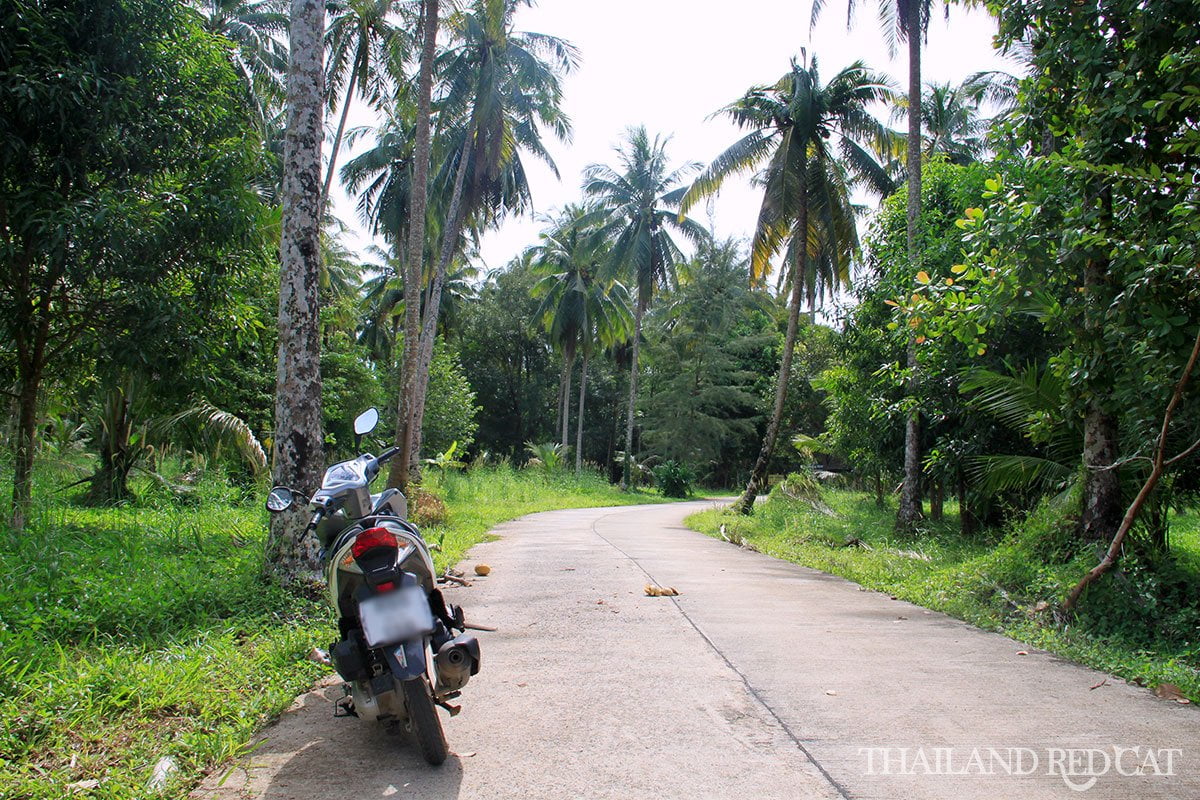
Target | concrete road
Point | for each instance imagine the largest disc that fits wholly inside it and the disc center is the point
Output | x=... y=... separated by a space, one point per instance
x=762 y=680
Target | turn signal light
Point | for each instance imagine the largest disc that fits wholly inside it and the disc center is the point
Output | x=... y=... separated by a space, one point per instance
x=372 y=538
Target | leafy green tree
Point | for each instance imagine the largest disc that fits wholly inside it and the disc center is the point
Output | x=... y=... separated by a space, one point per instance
x=1094 y=231
x=699 y=404
x=808 y=141
x=451 y=416
x=642 y=197
x=508 y=363
x=349 y=385
x=127 y=164
x=956 y=434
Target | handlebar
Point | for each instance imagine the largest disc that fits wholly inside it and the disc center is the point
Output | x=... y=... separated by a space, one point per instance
x=383 y=458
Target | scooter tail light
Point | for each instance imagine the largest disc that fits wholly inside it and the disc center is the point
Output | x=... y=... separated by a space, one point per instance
x=372 y=538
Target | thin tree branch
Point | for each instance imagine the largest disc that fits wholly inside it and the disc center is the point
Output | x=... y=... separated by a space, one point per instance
x=1135 y=508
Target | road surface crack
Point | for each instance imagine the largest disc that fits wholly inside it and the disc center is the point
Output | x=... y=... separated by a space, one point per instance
x=758 y=698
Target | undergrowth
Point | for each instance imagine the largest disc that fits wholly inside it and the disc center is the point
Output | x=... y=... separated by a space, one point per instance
x=1141 y=622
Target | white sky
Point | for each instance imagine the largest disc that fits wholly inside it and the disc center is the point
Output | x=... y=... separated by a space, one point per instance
x=668 y=64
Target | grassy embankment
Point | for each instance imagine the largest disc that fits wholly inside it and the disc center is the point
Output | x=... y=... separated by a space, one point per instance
x=133 y=633
x=1141 y=623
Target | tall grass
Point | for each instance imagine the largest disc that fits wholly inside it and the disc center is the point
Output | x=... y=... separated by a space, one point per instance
x=132 y=633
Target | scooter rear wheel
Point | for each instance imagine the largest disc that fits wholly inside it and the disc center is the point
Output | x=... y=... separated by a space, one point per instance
x=423 y=717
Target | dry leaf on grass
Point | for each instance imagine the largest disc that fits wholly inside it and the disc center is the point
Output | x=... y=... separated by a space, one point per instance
x=653 y=590
x=1169 y=691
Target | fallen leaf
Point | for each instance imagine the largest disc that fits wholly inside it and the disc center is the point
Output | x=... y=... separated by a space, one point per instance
x=1098 y=685
x=653 y=590
x=1022 y=652
x=482 y=569
x=319 y=656
x=831 y=692
x=467 y=755
x=83 y=786
x=522 y=685
x=1169 y=691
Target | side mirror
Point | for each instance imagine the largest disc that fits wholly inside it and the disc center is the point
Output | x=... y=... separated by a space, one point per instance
x=366 y=421
x=281 y=498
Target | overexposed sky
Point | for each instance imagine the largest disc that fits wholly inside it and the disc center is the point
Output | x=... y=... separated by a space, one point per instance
x=669 y=64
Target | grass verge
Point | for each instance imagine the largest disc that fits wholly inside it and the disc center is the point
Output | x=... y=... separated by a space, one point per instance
x=135 y=633
x=1141 y=623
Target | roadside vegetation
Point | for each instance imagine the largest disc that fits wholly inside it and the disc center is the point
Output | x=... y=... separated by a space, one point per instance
x=144 y=631
x=1142 y=626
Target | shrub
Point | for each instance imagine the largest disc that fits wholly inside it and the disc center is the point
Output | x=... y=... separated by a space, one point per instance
x=674 y=479
x=426 y=509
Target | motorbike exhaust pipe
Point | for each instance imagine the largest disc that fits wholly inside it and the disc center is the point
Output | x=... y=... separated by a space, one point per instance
x=456 y=661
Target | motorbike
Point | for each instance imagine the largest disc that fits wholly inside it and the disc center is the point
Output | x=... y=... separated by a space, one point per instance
x=402 y=649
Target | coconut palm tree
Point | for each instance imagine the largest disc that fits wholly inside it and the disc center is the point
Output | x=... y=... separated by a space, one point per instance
x=418 y=198
x=906 y=21
x=502 y=89
x=578 y=308
x=260 y=56
x=951 y=122
x=366 y=49
x=298 y=444
x=807 y=143
x=642 y=198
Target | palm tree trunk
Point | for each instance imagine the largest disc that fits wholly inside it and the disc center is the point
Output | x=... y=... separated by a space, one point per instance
x=562 y=386
x=298 y=445
x=758 y=476
x=418 y=200
x=337 y=138
x=456 y=217
x=579 y=425
x=564 y=438
x=910 y=493
x=626 y=470
x=568 y=368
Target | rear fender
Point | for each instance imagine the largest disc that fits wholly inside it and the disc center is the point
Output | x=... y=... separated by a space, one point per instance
x=408 y=659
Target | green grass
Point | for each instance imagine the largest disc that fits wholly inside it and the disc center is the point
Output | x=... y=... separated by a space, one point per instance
x=132 y=633
x=1142 y=624
x=479 y=499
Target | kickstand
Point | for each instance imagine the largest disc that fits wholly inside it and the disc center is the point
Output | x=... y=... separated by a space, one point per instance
x=452 y=709
x=344 y=707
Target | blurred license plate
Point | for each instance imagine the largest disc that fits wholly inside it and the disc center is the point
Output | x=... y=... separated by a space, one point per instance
x=395 y=616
